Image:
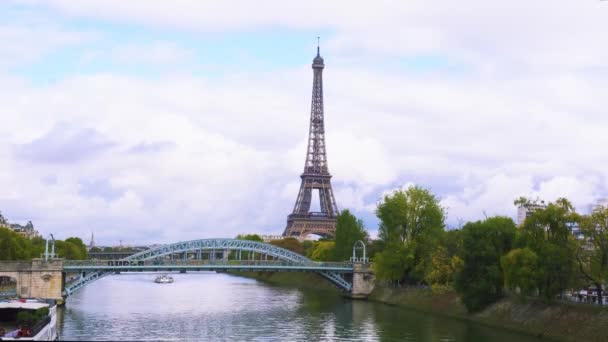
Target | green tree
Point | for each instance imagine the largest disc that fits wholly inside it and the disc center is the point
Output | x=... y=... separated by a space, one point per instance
x=250 y=237
x=289 y=243
x=66 y=250
x=520 y=269
x=547 y=232
x=592 y=255
x=348 y=231
x=82 y=248
x=13 y=246
x=480 y=282
x=322 y=250
x=443 y=269
x=390 y=264
x=446 y=260
x=374 y=247
x=411 y=223
x=307 y=245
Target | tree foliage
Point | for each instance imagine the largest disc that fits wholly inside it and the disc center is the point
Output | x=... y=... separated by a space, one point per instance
x=16 y=247
x=446 y=260
x=411 y=223
x=480 y=282
x=592 y=255
x=548 y=233
x=13 y=246
x=250 y=237
x=322 y=251
x=521 y=273
x=289 y=243
x=348 y=231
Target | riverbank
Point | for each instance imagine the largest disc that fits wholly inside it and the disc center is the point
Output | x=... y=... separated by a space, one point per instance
x=302 y=280
x=565 y=322
x=560 y=322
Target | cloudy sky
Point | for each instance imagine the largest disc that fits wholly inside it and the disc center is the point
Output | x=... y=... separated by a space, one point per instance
x=156 y=121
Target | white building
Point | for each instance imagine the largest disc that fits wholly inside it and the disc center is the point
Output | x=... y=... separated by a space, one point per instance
x=525 y=211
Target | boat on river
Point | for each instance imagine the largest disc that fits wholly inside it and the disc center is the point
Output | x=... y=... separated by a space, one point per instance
x=163 y=279
x=28 y=320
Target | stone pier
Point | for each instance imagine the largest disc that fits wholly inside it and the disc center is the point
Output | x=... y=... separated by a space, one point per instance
x=364 y=281
x=37 y=278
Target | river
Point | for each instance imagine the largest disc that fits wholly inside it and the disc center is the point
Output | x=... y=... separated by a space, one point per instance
x=210 y=306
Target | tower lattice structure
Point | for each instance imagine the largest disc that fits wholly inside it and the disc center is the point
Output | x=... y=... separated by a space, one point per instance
x=302 y=222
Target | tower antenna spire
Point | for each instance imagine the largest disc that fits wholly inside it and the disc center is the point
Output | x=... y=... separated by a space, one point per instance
x=318 y=43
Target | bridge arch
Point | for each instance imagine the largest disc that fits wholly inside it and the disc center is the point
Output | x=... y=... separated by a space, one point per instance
x=215 y=245
x=219 y=244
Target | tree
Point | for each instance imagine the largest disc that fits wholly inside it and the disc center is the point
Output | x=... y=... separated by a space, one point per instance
x=307 y=245
x=289 y=243
x=250 y=237
x=592 y=255
x=390 y=264
x=411 y=223
x=13 y=246
x=446 y=260
x=82 y=248
x=348 y=230
x=520 y=269
x=547 y=232
x=374 y=247
x=480 y=282
x=322 y=250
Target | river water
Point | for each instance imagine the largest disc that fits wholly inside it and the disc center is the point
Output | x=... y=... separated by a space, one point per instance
x=210 y=306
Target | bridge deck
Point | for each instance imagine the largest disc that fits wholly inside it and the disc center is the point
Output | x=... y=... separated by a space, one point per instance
x=203 y=265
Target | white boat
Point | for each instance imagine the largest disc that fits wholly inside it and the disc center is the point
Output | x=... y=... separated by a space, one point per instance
x=28 y=320
x=163 y=279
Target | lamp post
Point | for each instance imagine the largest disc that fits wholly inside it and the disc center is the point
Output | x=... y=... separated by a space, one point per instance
x=46 y=248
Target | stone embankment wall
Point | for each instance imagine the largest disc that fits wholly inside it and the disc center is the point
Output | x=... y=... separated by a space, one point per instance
x=37 y=278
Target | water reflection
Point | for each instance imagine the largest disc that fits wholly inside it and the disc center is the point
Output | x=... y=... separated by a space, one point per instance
x=210 y=306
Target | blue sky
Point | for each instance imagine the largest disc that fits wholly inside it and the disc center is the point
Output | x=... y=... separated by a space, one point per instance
x=153 y=121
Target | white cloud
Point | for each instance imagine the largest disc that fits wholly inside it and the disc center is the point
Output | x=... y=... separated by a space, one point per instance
x=523 y=114
x=28 y=42
x=155 y=53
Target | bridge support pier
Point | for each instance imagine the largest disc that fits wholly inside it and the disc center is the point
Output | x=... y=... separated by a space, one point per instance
x=363 y=281
x=38 y=278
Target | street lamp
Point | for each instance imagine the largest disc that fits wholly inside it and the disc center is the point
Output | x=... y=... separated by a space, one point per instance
x=46 y=248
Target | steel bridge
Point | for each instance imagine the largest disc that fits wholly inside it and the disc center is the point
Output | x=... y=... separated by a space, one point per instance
x=209 y=255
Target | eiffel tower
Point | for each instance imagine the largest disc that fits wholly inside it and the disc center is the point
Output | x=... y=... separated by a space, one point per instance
x=302 y=222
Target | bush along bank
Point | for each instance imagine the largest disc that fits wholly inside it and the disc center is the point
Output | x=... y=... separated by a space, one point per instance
x=556 y=321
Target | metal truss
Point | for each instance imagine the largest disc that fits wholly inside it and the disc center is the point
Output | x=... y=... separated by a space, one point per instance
x=78 y=266
x=316 y=176
x=218 y=245
x=82 y=281
x=152 y=260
